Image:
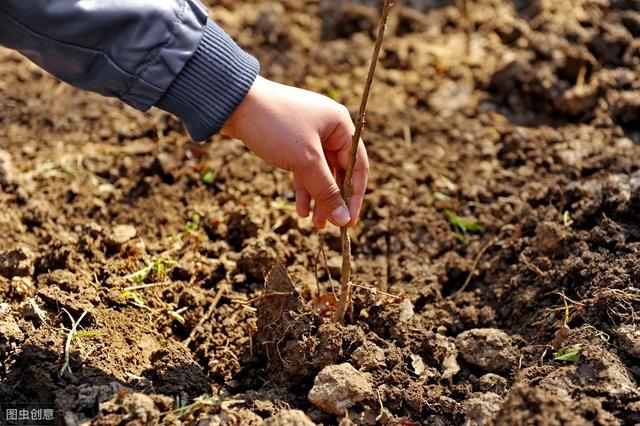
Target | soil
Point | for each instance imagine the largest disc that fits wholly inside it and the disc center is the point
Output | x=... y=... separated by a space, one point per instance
x=520 y=116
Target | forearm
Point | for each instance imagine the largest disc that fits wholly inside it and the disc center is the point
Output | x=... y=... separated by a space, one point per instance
x=166 y=54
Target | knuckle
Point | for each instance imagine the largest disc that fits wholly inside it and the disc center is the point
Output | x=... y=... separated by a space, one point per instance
x=329 y=195
x=308 y=159
x=345 y=115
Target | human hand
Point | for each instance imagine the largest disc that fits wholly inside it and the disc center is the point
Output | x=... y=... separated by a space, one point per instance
x=310 y=135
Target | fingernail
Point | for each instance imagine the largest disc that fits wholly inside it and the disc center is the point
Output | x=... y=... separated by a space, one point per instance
x=340 y=216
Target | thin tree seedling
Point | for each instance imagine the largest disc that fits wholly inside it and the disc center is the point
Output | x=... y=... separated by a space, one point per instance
x=345 y=281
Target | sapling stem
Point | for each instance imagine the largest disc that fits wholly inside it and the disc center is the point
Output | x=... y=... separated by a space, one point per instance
x=345 y=281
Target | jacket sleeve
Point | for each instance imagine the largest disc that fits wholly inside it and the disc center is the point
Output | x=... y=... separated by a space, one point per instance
x=147 y=53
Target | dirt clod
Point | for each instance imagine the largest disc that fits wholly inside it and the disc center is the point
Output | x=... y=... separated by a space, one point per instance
x=481 y=409
x=629 y=338
x=493 y=383
x=134 y=409
x=368 y=356
x=17 y=262
x=550 y=238
x=120 y=234
x=488 y=348
x=289 y=418
x=337 y=388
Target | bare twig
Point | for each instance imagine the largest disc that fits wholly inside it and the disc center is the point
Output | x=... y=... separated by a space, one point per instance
x=322 y=253
x=345 y=281
x=476 y=261
x=212 y=307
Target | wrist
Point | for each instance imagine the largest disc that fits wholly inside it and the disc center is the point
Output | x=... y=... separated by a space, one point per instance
x=246 y=110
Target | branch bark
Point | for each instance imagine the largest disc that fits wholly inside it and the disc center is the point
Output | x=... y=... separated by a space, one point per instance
x=345 y=282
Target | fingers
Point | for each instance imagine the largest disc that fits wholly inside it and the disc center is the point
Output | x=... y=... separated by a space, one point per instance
x=319 y=218
x=340 y=141
x=315 y=175
x=303 y=199
x=358 y=183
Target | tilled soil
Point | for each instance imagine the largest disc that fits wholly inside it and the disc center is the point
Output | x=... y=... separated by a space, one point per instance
x=521 y=117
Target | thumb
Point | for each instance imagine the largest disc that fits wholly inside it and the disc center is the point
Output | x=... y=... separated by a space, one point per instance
x=321 y=185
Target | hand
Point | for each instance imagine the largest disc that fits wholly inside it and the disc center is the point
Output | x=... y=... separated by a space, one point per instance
x=310 y=135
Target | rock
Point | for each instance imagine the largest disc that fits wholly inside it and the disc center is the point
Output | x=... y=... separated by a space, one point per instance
x=120 y=234
x=488 y=348
x=339 y=387
x=16 y=262
x=493 y=383
x=629 y=339
x=368 y=356
x=550 y=238
x=481 y=408
x=289 y=418
x=406 y=310
x=22 y=288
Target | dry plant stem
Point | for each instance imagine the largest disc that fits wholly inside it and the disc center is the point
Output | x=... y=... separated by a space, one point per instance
x=212 y=307
x=345 y=281
x=67 y=345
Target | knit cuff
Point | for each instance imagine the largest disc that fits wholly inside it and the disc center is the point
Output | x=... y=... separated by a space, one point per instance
x=211 y=85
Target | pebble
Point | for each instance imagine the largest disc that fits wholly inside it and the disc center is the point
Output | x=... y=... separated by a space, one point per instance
x=339 y=387
x=121 y=234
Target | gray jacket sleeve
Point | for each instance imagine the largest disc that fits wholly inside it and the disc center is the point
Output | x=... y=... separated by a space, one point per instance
x=165 y=53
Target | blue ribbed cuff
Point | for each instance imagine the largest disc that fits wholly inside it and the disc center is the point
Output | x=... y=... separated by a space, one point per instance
x=211 y=85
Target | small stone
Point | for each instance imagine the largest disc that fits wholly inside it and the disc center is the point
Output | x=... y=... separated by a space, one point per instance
x=629 y=338
x=339 y=387
x=368 y=356
x=121 y=234
x=493 y=383
x=406 y=310
x=17 y=262
x=22 y=287
x=488 y=348
x=481 y=409
x=289 y=418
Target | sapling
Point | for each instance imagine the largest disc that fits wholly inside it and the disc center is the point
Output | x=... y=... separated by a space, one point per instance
x=345 y=282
